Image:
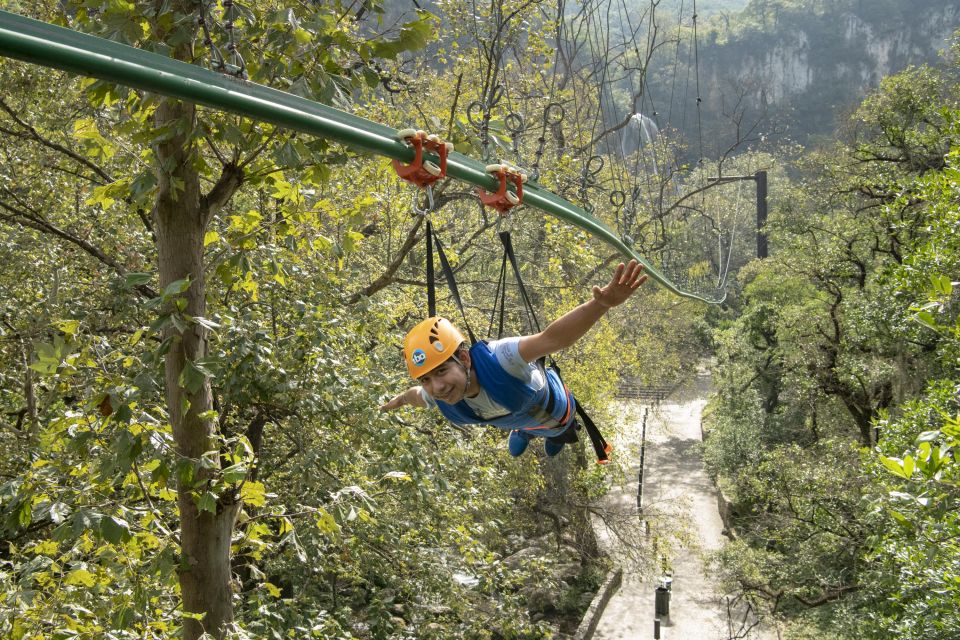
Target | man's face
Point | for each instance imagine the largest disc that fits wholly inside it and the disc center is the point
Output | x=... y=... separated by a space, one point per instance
x=447 y=382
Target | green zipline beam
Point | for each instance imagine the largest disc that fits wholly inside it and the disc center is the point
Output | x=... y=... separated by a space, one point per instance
x=83 y=54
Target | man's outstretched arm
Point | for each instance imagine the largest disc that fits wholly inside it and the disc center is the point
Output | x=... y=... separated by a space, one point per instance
x=410 y=397
x=571 y=326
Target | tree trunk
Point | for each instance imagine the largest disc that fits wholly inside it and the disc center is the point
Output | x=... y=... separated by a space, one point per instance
x=205 y=576
x=33 y=422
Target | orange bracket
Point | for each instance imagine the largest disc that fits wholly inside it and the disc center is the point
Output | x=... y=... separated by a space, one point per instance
x=423 y=172
x=607 y=450
x=503 y=200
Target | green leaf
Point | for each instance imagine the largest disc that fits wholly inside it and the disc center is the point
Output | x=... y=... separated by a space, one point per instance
x=254 y=494
x=193 y=376
x=235 y=473
x=895 y=465
x=413 y=35
x=941 y=284
x=24 y=514
x=176 y=287
x=288 y=156
x=160 y=323
x=114 y=530
x=207 y=502
x=902 y=519
x=186 y=472
x=205 y=323
x=927 y=318
x=951 y=426
x=326 y=523
x=909 y=464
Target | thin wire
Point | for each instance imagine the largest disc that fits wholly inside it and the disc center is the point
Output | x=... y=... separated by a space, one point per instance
x=676 y=61
x=725 y=269
x=696 y=57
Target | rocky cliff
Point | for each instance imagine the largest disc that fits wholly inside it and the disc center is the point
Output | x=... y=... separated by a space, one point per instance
x=803 y=64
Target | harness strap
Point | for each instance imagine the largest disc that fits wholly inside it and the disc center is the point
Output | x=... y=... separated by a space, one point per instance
x=431 y=278
x=507 y=243
x=600 y=445
x=451 y=280
x=554 y=424
x=500 y=297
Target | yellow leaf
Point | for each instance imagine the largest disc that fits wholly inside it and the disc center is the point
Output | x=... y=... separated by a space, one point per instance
x=254 y=494
x=326 y=523
x=69 y=327
x=250 y=286
x=273 y=589
x=81 y=577
x=46 y=548
x=210 y=237
x=303 y=36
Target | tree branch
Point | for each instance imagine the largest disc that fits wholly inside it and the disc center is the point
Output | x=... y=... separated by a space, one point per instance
x=32 y=133
x=386 y=277
x=24 y=219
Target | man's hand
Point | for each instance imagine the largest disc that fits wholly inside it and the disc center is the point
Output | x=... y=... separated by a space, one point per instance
x=626 y=279
x=410 y=397
x=395 y=403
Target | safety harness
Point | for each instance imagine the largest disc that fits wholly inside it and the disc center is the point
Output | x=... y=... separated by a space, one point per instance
x=600 y=446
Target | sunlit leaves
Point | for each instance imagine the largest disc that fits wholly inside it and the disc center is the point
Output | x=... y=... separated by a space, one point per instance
x=97 y=145
x=413 y=35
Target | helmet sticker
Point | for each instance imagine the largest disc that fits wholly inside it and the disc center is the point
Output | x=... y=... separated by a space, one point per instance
x=419 y=357
x=438 y=346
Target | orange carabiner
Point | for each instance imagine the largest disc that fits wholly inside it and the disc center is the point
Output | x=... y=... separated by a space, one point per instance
x=423 y=172
x=503 y=200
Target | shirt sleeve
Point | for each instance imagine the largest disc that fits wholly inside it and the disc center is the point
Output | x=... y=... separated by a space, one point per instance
x=507 y=352
x=426 y=397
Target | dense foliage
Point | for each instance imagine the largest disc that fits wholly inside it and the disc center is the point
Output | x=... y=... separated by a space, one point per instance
x=835 y=420
x=199 y=315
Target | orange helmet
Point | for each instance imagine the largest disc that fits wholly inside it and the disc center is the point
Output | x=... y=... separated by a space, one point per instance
x=430 y=344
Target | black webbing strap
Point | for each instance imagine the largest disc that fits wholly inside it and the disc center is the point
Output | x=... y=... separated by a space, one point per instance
x=507 y=243
x=451 y=283
x=431 y=279
x=499 y=298
x=600 y=446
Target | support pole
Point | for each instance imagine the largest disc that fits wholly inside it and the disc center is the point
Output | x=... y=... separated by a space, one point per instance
x=761 y=179
x=643 y=450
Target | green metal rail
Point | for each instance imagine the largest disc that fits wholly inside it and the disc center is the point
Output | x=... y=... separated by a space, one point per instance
x=52 y=46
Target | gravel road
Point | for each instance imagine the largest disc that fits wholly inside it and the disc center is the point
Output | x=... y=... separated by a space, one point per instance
x=680 y=525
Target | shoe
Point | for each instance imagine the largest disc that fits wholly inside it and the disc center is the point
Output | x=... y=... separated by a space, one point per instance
x=517 y=443
x=552 y=448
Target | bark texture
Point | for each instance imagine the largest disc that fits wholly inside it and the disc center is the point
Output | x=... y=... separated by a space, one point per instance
x=180 y=222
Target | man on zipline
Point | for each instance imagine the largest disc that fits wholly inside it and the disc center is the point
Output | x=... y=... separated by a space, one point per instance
x=499 y=382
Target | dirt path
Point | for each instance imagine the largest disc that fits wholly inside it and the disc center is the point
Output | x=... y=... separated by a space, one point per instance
x=680 y=508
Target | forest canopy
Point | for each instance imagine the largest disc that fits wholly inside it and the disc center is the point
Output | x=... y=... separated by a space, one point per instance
x=201 y=313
